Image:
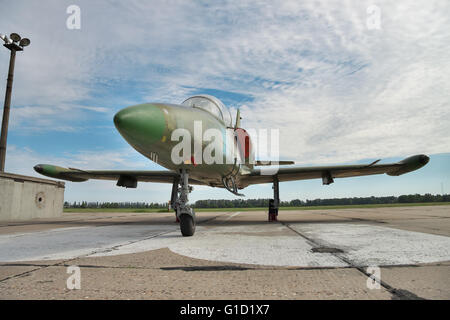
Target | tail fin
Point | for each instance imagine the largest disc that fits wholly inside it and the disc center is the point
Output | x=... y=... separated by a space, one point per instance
x=238 y=119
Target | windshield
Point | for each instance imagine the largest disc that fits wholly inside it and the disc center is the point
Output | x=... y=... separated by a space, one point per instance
x=212 y=105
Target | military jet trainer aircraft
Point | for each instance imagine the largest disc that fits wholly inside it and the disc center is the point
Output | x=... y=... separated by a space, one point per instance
x=148 y=128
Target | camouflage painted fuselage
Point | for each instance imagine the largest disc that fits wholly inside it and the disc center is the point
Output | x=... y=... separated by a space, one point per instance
x=148 y=128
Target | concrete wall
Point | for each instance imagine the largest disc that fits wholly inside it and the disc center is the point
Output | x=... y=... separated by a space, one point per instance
x=24 y=198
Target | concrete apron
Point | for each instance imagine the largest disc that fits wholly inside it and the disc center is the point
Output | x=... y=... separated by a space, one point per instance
x=276 y=244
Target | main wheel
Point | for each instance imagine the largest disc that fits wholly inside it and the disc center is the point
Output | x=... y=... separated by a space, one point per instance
x=187 y=225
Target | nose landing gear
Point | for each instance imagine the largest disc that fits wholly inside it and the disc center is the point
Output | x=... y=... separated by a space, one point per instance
x=184 y=213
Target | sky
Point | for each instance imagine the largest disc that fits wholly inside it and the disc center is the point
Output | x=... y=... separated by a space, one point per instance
x=344 y=82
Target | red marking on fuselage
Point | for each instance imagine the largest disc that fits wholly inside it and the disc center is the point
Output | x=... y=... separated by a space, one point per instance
x=244 y=142
x=193 y=161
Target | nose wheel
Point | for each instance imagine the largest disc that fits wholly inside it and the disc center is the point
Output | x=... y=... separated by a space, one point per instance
x=184 y=213
x=187 y=224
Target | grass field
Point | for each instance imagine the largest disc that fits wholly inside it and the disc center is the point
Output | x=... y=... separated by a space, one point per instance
x=265 y=209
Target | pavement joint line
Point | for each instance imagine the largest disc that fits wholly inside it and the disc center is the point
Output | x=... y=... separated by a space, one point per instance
x=40 y=268
x=250 y=267
x=400 y=294
x=174 y=268
x=20 y=274
x=115 y=247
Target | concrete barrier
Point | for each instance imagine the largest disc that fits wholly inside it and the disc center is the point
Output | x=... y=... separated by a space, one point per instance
x=25 y=198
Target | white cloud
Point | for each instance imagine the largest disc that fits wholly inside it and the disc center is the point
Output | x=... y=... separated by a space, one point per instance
x=336 y=90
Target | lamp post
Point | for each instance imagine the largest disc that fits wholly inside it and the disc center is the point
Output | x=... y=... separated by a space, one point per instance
x=14 y=43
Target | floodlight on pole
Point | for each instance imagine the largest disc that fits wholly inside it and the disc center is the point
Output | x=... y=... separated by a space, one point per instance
x=15 y=37
x=13 y=46
x=24 y=42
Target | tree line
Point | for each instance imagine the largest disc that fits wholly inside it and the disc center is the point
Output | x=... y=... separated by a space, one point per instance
x=251 y=203
x=117 y=205
x=256 y=203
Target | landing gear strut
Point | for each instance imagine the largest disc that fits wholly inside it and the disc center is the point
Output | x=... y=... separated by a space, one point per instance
x=184 y=213
x=174 y=197
x=275 y=202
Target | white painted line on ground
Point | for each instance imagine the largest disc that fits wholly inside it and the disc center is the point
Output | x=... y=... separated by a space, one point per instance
x=233 y=215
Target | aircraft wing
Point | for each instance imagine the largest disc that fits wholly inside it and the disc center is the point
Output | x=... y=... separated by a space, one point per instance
x=328 y=173
x=124 y=178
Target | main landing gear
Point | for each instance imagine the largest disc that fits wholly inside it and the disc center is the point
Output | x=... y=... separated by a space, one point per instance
x=275 y=202
x=184 y=213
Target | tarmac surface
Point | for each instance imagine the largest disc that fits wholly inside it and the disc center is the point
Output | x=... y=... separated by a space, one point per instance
x=307 y=254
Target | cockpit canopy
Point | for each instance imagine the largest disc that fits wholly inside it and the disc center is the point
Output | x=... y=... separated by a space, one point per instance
x=212 y=105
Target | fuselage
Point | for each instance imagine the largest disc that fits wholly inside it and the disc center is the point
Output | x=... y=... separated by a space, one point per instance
x=153 y=130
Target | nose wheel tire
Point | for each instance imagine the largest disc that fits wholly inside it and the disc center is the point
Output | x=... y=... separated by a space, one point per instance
x=187 y=225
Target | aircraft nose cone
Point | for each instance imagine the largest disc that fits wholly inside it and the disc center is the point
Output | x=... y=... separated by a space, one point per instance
x=141 y=124
x=38 y=168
